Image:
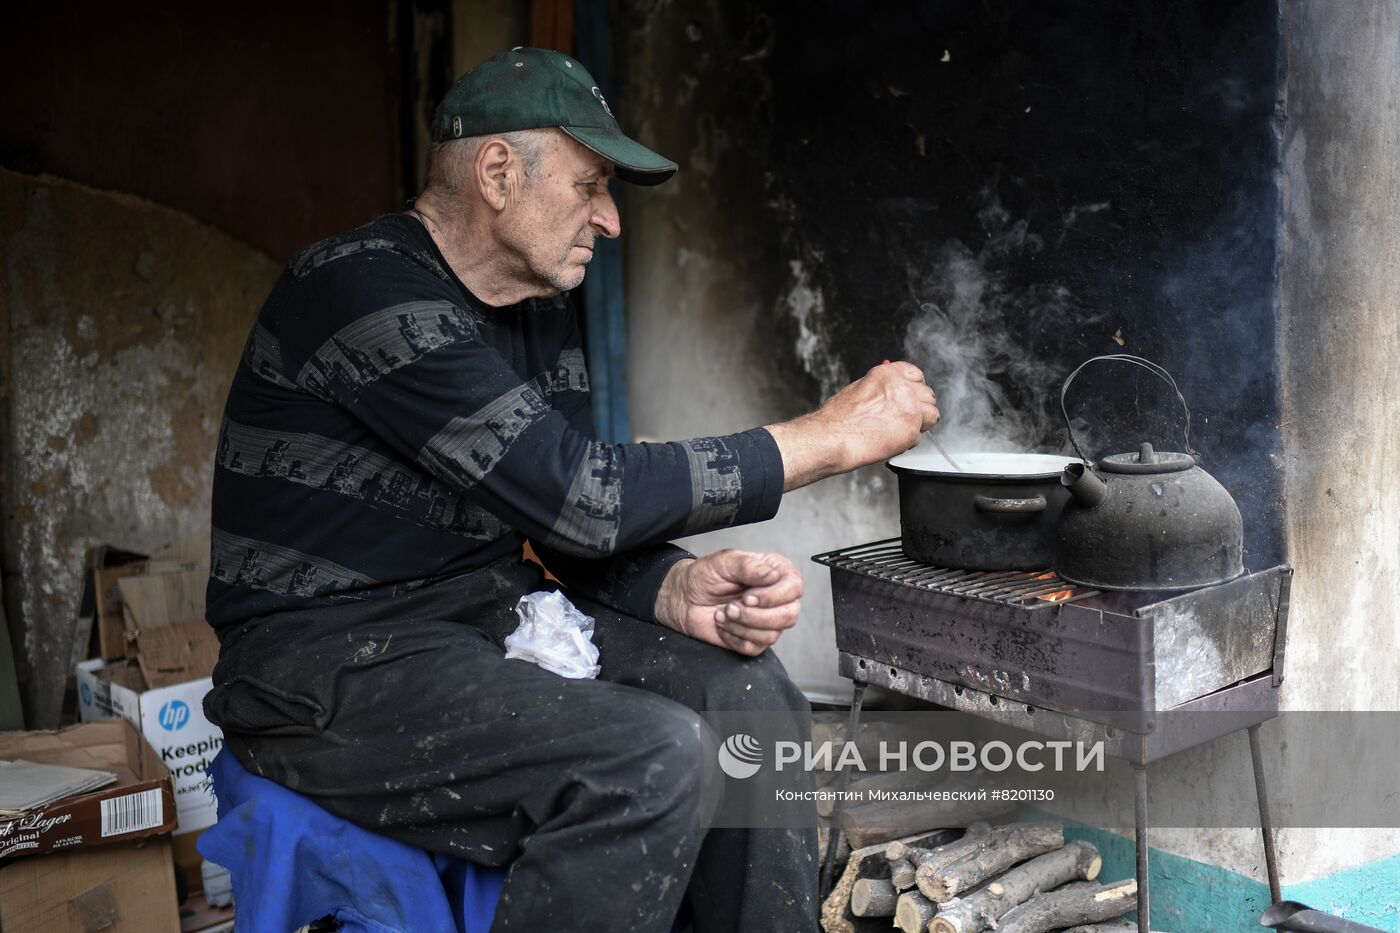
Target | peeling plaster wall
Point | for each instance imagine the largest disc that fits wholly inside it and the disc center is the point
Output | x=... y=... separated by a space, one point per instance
x=1339 y=341
x=124 y=322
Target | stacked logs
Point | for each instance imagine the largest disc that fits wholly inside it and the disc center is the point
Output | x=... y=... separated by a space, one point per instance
x=1012 y=878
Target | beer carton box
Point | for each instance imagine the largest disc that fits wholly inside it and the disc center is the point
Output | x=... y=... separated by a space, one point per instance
x=139 y=803
x=94 y=861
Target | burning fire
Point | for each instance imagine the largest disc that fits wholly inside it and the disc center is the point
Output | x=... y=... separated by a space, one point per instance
x=1058 y=596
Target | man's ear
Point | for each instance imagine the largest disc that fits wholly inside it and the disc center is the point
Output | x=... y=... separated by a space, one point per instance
x=494 y=173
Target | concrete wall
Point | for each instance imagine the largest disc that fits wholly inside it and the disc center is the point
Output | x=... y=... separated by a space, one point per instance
x=1339 y=336
x=1339 y=308
x=124 y=322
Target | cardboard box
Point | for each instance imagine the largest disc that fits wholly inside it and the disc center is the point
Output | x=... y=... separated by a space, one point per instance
x=172 y=720
x=141 y=803
x=102 y=609
x=163 y=613
x=158 y=654
x=162 y=691
x=122 y=888
x=101 y=606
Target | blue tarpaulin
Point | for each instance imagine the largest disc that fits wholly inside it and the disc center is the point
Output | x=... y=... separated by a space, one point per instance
x=292 y=863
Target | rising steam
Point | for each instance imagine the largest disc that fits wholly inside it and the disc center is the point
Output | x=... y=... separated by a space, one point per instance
x=975 y=337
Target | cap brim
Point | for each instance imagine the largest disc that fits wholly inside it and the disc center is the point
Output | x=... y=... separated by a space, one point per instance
x=635 y=163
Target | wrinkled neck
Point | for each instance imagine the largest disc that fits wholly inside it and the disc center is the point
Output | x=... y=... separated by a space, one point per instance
x=485 y=265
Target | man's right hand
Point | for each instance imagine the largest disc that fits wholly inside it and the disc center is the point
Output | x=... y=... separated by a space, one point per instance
x=880 y=415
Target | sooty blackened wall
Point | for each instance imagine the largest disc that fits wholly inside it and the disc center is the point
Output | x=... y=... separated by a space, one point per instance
x=1010 y=188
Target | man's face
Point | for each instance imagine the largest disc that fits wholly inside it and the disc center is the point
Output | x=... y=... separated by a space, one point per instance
x=561 y=210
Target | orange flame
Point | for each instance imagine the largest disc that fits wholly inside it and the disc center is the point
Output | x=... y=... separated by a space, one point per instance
x=1058 y=596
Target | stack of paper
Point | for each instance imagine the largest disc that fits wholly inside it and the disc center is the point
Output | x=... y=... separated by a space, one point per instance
x=25 y=785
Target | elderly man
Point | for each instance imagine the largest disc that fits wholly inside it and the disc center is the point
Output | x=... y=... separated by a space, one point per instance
x=411 y=409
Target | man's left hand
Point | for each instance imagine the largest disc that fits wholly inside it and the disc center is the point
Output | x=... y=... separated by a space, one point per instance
x=738 y=600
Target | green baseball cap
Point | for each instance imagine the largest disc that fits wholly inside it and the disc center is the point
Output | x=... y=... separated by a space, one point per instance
x=527 y=89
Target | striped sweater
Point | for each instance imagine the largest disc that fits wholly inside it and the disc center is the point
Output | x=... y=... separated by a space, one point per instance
x=386 y=430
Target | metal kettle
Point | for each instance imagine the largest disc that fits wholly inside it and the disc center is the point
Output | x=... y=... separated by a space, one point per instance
x=1147 y=520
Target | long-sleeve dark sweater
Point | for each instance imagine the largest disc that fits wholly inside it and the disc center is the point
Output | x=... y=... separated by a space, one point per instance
x=386 y=430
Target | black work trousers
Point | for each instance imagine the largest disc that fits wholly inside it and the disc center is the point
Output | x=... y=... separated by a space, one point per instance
x=406 y=718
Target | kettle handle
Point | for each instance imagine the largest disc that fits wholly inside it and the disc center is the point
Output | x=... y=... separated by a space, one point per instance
x=1148 y=365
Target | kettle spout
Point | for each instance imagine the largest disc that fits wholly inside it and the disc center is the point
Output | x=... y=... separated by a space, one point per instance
x=1084 y=485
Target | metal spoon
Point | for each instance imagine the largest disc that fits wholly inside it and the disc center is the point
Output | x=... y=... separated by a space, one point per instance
x=946 y=456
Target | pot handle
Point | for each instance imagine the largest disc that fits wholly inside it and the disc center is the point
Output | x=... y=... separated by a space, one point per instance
x=1009 y=506
x=1148 y=365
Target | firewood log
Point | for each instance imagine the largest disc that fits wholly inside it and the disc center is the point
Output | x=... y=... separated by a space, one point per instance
x=883 y=820
x=1078 y=860
x=873 y=897
x=1072 y=905
x=836 y=909
x=913 y=912
x=902 y=874
x=869 y=862
x=1112 y=926
x=999 y=850
x=918 y=855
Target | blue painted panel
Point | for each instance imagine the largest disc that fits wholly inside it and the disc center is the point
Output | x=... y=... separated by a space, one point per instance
x=1367 y=894
x=1186 y=895
x=605 y=318
x=1193 y=896
x=605 y=323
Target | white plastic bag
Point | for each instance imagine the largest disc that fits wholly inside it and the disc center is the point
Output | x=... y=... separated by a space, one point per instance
x=555 y=635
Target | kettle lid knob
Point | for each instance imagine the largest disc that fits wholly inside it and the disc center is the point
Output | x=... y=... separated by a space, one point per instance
x=1146 y=454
